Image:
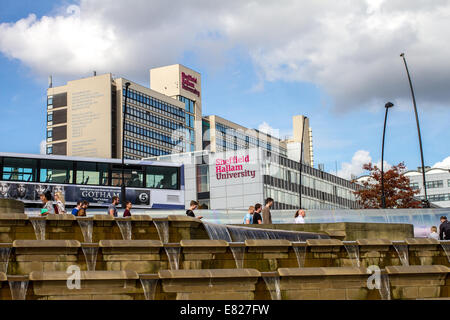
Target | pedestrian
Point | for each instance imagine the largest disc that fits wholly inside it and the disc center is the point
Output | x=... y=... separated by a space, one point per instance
x=84 y=206
x=444 y=229
x=112 y=209
x=192 y=207
x=300 y=216
x=257 y=214
x=77 y=208
x=60 y=203
x=266 y=215
x=127 y=212
x=434 y=234
x=248 y=219
x=47 y=202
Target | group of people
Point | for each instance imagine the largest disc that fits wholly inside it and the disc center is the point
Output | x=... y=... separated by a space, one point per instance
x=444 y=230
x=258 y=214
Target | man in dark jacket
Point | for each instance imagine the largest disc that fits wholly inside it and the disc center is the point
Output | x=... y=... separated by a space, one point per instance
x=444 y=229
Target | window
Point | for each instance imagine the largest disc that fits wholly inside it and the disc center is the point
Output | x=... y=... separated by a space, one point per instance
x=49 y=150
x=91 y=173
x=50 y=117
x=162 y=178
x=435 y=184
x=133 y=178
x=202 y=178
x=414 y=185
x=15 y=169
x=49 y=133
x=49 y=100
x=53 y=171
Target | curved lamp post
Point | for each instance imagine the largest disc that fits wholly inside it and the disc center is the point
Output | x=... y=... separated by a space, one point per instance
x=123 y=197
x=301 y=160
x=425 y=202
x=383 y=196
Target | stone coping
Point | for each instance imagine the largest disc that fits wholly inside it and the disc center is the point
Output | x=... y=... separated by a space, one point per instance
x=6 y=245
x=13 y=216
x=320 y=272
x=59 y=217
x=130 y=243
x=145 y=218
x=172 y=245
x=46 y=244
x=209 y=273
x=417 y=269
x=18 y=277
x=148 y=276
x=84 y=275
x=103 y=217
x=204 y=243
x=236 y=244
x=84 y=218
x=38 y=217
x=89 y=245
x=421 y=241
x=270 y=274
x=267 y=243
x=374 y=242
x=182 y=218
x=323 y=242
x=299 y=244
x=2 y=276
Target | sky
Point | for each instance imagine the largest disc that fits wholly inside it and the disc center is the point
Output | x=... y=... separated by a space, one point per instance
x=337 y=62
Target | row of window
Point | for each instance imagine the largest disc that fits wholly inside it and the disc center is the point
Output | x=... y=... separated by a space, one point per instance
x=153 y=102
x=154 y=119
x=189 y=104
x=438 y=197
x=148 y=150
x=430 y=184
x=150 y=134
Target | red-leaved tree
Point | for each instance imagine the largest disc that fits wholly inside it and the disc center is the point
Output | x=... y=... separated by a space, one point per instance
x=398 y=193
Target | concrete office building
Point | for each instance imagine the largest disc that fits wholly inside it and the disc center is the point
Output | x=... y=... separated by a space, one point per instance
x=236 y=179
x=438 y=185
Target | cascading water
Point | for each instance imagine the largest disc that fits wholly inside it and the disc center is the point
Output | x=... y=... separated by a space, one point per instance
x=4 y=259
x=353 y=252
x=300 y=253
x=273 y=285
x=162 y=226
x=217 y=231
x=173 y=254
x=445 y=244
x=86 y=227
x=240 y=234
x=238 y=255
x=385 y=287
x=90 y=254
x=125 y=228
x=39 y=228
x=149 y=286
x=18 y=289
x=402 y=251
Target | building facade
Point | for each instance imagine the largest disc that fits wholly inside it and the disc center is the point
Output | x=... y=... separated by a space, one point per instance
x=236 y=179
x=438 y=185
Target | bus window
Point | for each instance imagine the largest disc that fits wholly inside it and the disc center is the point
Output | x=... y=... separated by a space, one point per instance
x=162 y=177
x=133 y=178
x=15 y=169
x=54 y=171
x=91 y=173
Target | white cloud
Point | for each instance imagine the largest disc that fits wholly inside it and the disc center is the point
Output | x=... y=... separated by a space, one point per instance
x=266 y=128
x=349 y=49
x=43 y=147
x=360 y=158
x=444 y=164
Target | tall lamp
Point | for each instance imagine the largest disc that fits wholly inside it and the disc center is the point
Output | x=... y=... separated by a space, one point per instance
x=301 y=160
x=123 y=197
x=383 y=196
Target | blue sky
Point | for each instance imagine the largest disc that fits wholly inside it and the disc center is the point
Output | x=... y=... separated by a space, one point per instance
x=253 y=70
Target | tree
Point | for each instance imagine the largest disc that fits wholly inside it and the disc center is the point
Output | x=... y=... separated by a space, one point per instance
x=397 y=191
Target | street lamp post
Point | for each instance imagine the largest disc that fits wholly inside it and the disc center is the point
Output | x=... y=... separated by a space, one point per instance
x=425 y=203
x=301 y=160
x=383 y=196
x=123 y=197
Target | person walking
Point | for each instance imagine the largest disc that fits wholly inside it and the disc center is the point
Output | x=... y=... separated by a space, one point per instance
x=433 y=234
x=248 y=219
x=300 y=216
x=192 y=207
x=77 y=208
x=47 y=202
x=83 y=209
x=266 y=215
x=112 y=209
x=444 y=229
x=127 y=212
x=60 y=203
x=257 y=219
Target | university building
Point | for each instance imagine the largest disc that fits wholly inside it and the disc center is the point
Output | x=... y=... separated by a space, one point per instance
x=438 y=185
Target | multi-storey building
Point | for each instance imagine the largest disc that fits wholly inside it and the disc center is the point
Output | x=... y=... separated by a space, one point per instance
x=438 y=185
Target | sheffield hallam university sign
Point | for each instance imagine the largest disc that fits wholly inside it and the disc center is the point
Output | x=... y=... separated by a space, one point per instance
x=188 y=83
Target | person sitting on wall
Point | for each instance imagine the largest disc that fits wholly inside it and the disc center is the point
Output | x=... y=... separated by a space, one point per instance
x=83 y=209
x=257 y=219
x=248 y=219
x=300 y=216
x=433 y=234
x=77 y=208
x=47 y=202
x=127 y=212
x=190 y=211
x=444 y=229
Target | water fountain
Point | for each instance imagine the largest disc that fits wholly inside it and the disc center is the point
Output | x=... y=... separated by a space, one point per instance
x=162 y=226
x=445 y=244
x=300 y=253
x=402 y=251
x=18 y=286
x=217 y=231
x=39 y=224
x=272 y=281
x=149 y=286
x=353 y=252
x=125 y=228
x=86 y=226
x=4 y=258
x=385 y=287
x=173 y=255
x=90 y=252
x=238 y=250
x=241 y=234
